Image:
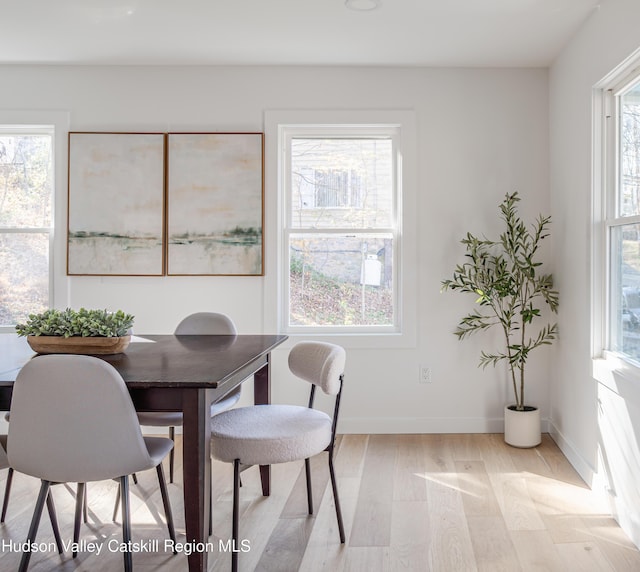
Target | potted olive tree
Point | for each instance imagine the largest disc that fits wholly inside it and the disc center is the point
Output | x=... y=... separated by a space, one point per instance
x=505 y=277
x=77 y=331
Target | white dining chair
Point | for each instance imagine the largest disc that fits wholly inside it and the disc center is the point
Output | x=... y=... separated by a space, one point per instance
x=271 y=434
x=200 y=323
x=72 y=420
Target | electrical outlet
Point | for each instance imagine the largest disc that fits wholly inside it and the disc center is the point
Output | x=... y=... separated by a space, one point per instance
x=425 y=374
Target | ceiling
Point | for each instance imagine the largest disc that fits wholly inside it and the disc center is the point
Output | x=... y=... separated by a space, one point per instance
x=483 y=33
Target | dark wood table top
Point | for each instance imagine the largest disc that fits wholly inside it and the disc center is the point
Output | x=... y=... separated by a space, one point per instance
x=164 y=360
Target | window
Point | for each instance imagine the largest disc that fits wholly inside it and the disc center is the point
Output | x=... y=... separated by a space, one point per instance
x=621 y=208
x=341 y=228
x=26 y=221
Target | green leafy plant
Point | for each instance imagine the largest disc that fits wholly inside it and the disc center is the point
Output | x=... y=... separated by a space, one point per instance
x=505 y=277
x=69 y=323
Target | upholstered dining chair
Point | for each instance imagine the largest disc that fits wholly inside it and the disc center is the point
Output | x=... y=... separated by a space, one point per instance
x=200 y=323
x=271 y=434
x=72 y=420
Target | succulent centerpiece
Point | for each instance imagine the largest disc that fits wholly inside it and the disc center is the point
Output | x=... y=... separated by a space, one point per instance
x=77 y=331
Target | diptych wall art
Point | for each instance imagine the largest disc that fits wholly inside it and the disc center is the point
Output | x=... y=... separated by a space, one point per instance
x=151 y=204
x=116 y=203
x=214 y=204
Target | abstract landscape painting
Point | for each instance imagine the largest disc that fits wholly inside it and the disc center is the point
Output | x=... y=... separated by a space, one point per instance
x=215 y=204
x=116 y=204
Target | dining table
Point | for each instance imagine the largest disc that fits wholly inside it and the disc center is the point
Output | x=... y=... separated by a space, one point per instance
x=184 y=373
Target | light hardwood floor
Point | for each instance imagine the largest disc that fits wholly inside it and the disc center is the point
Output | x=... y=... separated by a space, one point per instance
x=445 y=503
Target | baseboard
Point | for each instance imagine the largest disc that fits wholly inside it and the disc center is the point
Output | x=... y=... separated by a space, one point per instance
x=584 y=469
x=623 y=511
x=399 y=425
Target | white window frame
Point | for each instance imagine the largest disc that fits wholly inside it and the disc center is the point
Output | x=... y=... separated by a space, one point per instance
x=606 y=164
x=55 y=123
x=403 y=123
x=290 y=132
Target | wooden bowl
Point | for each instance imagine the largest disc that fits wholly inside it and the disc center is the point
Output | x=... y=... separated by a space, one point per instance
x=78 y=345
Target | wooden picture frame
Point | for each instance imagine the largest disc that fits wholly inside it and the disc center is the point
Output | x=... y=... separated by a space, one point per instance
x=116 y=204
x=215 y=204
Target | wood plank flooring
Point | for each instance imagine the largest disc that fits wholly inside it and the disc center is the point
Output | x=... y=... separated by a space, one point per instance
x=441 y=503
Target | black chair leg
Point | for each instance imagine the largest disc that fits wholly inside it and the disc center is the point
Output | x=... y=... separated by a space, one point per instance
x=336 y=500
x=54 y=522
x=210 y=496
x=35 y=522
x=265 y=472
x=167 y=504
x=7 y=490
x=117 y=504
x=85 y=510
x=126 y=522
x=135 y=478
x=236 y=514
x=80 y=505
x=172 y=436
x=307 y=469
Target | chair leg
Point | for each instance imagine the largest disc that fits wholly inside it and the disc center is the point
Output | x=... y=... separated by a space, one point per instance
x=80 y=505
x=85 y=510
x=126 y=522
x=35 y=521
x=336 y=500
x=167 y=504
x=265 y=472
x=117 y=504
x=236 y=514
x=7 y=490
x=54 y=522
x=307 y=468
x=135 y=478
x=210 y=496
x=172 y=436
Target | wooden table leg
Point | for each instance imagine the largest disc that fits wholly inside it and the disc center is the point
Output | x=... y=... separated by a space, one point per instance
x=262 y=395
x=196 y=451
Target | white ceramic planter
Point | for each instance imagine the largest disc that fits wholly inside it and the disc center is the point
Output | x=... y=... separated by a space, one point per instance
x=522 y=428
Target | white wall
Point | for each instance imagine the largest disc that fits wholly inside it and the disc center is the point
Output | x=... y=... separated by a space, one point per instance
x=481 y=133
x=597 y=424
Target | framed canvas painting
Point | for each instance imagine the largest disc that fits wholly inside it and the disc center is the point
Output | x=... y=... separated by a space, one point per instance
x=116 y=204
x=215 y=204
